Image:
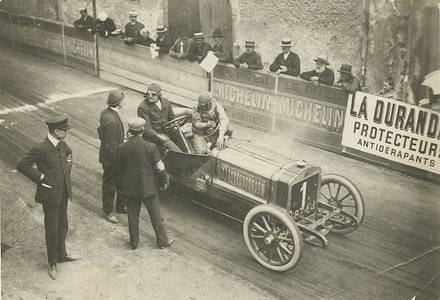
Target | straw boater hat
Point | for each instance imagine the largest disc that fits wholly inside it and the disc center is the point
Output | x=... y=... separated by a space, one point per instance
x=345 y=68
x=198 y=35
x=285 y=42
x=322 y=59
x=160 y=29
x=249 y=44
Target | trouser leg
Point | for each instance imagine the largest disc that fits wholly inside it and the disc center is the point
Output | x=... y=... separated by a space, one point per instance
x=51 y=221
x=62 y=228
x=153 y=207
x=133 y=210
x=121 y=201
x=200 y=144
x=108 y=189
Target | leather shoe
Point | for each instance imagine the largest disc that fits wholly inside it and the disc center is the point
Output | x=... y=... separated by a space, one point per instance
x=111 y=218
x=52 y=270
x=167 y=244
x=121 y=211
x=69 y=258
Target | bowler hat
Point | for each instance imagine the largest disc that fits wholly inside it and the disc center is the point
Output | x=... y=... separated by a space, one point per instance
x=198 y=35
x=115 y=98
x=345 y=68
x=217 y=33
x=285 y=42
x=249 y=44
x=321 y=59
x=155 y=88
x=204 y=98
x=58 y=122
x=160 y=29
x=136 y=124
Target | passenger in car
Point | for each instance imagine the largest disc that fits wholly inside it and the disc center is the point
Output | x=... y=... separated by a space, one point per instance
x=210 y=124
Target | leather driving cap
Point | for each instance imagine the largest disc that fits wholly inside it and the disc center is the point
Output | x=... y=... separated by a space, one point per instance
x=58 y=122
x=136 y=124
x=115 y=98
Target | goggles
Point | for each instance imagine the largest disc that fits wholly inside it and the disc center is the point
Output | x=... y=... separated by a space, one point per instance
x=150 y=94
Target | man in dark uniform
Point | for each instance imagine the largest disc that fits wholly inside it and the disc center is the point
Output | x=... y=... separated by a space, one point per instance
x=133 y=29
x=85 y=21
x=287 y=62
x=111 y=134
x=199 y=49
x=222 y=51
x=156 y=111
x=347 y=81
x=104 y=25
x=53 y=158
x=137 y=165
x=163 y=43
x=321 y=74
x=250 y=58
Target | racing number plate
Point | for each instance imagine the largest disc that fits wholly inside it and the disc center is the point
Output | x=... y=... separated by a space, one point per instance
x=304 y=197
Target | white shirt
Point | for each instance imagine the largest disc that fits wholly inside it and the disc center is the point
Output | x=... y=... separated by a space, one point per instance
x=159 y=104
x=286 y=55
x=53 y=140
x=115 y=109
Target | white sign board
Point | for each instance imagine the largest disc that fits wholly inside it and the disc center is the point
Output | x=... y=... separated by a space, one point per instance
x=394 y=130
x=209 y=62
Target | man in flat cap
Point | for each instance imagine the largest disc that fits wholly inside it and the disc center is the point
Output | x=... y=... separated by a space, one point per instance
x=199 y=49
x=85 y=22
x=53 y=158
x=133 y=29
x=156 y=110
x=222 y=51
x=249 y=59
x=140 y=173
x=163 y=43
x=348 y=81
x=207 y=115
x=287 y=62
x=111 y=134
x=321 y=74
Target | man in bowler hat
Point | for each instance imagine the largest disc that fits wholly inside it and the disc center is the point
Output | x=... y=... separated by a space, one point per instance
x=138 y=170
x=111 y=134
x=221 y=50
x=53 y=158
x=287 y=62
x=348 y=81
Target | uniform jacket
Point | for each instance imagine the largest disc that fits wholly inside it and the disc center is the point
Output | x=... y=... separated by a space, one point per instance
x=292 y=63
x=223 y=53
x=198 y=51
x=326 y=77
x=134 y=31
x=164 y=44
x=253 y=60
x=155 y=117
x=185 y=44
x=134 y=168
x=111 y=134
x=55 y=164
x=84 y=22
x=105 y=28
x=216 y=113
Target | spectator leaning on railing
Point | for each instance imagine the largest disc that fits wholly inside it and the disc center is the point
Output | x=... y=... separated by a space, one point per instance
x=287 y=62
x=133 y=29
x=222 y=51
x=347 y=81
x=145 y=38
x=85 y=22
x=199 y=49
x=250 y=58
x=181 y=46
x=321 y=74
x=104 y=25
x=163 y=43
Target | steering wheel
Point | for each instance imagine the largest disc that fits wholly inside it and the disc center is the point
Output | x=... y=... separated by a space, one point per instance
x=176 y=122
x=213 y=131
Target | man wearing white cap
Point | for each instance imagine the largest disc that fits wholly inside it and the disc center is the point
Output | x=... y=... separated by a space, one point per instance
x=133 y=29
x=287 y=62
x=104 y=25
x=138 y=171
x=321 y=74
x=199 y=49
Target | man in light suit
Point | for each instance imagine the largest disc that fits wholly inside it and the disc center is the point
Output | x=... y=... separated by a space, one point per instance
x=111 y=134
x=53 y=158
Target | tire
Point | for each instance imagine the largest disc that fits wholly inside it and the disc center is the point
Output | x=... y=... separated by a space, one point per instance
x=332 y=187
x=281 y=236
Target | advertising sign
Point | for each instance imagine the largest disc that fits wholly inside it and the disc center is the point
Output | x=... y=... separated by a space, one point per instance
x=394 y=130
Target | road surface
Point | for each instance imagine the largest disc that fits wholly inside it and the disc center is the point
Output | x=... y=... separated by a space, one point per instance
x=393 y=255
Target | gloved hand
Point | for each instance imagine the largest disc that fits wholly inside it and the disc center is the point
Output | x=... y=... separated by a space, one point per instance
x=164 y=180
x=220 y=142
x=211 y=124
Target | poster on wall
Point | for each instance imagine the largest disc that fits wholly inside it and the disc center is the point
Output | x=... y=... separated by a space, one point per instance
x=394 y=130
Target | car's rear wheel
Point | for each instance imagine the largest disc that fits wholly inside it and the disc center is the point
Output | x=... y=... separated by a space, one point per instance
x=339 y=192
x=272 y=237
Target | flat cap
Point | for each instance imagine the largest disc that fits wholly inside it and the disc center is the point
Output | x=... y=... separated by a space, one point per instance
x=115 y=98
x=136 y=124
x=58 y=122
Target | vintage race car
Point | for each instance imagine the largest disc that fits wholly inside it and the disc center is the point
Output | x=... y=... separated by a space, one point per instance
x=281 y=201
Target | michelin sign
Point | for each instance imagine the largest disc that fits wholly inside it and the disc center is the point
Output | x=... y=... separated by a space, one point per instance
x=394 y=130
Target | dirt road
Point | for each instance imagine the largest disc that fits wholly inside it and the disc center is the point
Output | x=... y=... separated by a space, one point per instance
x=394 y=255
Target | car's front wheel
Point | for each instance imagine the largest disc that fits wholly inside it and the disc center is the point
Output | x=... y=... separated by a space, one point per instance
x=272 y=237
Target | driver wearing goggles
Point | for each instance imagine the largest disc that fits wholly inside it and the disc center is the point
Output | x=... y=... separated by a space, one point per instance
x=156 y=111
x=210 y=124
